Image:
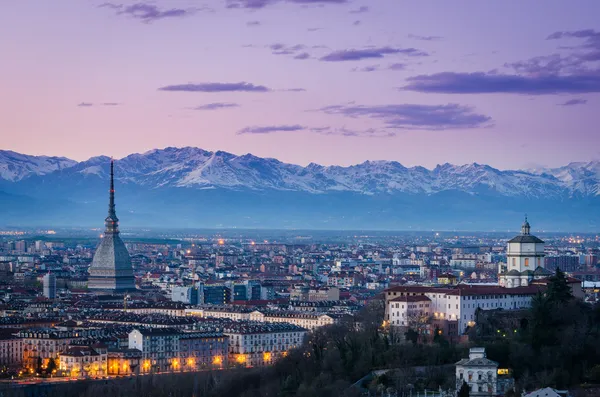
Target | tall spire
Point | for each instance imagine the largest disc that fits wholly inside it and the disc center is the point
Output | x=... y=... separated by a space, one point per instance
x=111 y=221
x=526 y=228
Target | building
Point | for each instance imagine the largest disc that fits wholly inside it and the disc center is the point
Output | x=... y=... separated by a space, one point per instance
x=548 y=392
x=479 y=372
x=45 y=344
x=83 y=362
x=111 y=268
x=305 y=293
x=457 y=305
x=171 y=350
x=216 y=294
x=253 y=344
x=11 y=351
x=407 y=311
x=308 y=320
x=202 y=350
x=49 y=286
x=123 y=361
x=187 y=295
x=524 y=256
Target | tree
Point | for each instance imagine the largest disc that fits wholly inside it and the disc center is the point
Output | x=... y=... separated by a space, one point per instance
x=558 y=290
x=51 y=366
x=464 y=390
x=38 y=366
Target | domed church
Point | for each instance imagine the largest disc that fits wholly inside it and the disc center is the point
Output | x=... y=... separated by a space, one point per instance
x=111 y=269
x=524 y=260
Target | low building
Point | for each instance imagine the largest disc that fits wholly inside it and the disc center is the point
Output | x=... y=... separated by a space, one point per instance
x=11 y=351
x=83 y=362
x=124 y=361
x=478 y=372
x=253 y=344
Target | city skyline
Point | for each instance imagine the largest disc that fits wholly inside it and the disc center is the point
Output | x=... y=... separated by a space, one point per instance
x=325 y=81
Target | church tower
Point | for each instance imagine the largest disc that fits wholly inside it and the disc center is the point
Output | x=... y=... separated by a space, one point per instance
x=524 y=259
x=111 y=268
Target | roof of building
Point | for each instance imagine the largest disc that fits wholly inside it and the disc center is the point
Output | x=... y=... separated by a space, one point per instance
x=411 y=298
x=526 y=239
x=547 y=392
x=477 y=362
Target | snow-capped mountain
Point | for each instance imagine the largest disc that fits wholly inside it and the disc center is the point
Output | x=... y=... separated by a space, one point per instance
x=196 y=168
x=16 y=166
x=191 y=187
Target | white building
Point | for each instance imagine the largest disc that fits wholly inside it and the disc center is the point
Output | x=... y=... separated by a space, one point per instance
x=524 y=260
x=458 y=304
x=405 y=309
x=480 y=373
x=49 y=285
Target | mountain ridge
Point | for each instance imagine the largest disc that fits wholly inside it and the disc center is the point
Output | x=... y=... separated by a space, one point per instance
x=198 y=168
x=192 y=187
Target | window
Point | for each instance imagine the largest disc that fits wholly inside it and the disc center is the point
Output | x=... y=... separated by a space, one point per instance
x=526 y=261
x=514 y=262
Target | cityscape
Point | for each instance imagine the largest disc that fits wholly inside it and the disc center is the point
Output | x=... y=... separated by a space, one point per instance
x=297 y=198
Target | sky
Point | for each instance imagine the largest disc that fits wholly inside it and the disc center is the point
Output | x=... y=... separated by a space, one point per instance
x=508 y=83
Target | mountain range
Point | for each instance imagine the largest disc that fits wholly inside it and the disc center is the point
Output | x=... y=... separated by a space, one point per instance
x=191 y=187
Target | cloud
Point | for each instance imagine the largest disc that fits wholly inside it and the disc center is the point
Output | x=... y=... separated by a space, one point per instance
x=371 y=68
x=216 y=87
x=148 y=12
x=90 y=104
x=282 y=49
x=216 y=106
x=294 y=90
x=379 y=52
x=257 y=4
x=573 y=102
x=424 y=38
x=253 y=23
x=302 y=55
x=479 y=82
x=340 y=131
x=360 y=10
x=314 y=29
x=270 y=129
x=356 y=23
x=397 y=66
x=343 y=131
x=412 y=116
x=576 y=72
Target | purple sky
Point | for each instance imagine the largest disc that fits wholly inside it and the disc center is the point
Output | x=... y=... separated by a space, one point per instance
x=507 y=83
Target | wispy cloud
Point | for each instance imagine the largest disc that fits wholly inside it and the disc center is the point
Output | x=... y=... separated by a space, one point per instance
x=148 y=12
x=413 y=116
x=377 y=52
x=574 y=102
x=574 y=73
x=253 y=23
x=424 y=38
x=359 y=10
x=271 y=129
x=397 y=66
x=257 y=4
x=356 y=23
x=480 y=82
x=302 y=55
x=294 y=90
x=216 y=106
x=90 y=104
x=282 y=49
x=370 y=68
x=340 y=131
x=216 y=87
